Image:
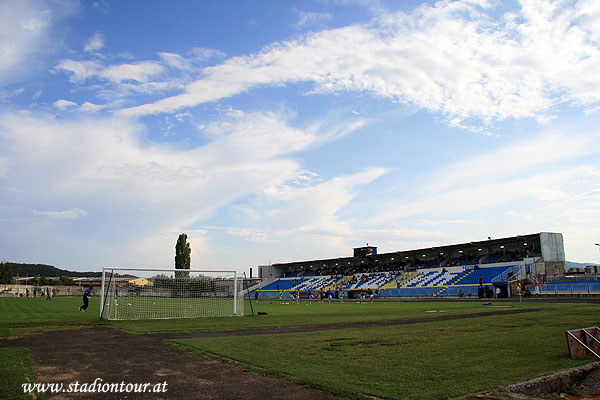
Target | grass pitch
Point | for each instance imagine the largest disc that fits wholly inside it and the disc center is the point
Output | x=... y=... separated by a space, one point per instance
x=431 y=360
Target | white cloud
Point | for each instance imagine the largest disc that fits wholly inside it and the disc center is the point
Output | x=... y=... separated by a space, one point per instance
x=517 y=159
x=174 y=60
x=140 y=72
x=520 y=215
x=307 y=18
x=6 y=95
x=22 y=24
x=26 y=35
x=534 y=185
x=455 y=58
x=189 y=62
x=251 y=234
x=145 y=190
x=86 y=107
x=542 y=188
x=80 y=70
x=73 y=213
x=101 y=6
x=313 y=209
x=94 y=43
x=63 y=104
x=91 y=107
x=203 y=53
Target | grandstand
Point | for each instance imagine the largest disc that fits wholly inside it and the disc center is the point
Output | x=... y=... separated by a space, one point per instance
x=466 y=269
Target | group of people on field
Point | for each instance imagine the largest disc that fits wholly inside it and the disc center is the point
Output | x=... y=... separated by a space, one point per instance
x=44 y=293
x=48 y=293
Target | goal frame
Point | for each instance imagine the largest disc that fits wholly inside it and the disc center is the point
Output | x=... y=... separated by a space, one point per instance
x=237 y=286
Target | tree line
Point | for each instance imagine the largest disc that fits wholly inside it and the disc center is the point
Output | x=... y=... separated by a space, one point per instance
x=7 y=276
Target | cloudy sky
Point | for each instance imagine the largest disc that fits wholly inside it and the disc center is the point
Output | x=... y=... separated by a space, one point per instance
x=273 y=131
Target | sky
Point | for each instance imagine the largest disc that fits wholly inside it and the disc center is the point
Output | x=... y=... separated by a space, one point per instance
x=273 y=131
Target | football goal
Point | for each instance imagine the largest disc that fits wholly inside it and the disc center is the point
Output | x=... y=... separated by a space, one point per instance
x=135 y=293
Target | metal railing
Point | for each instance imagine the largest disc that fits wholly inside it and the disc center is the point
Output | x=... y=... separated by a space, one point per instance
x=569 y=288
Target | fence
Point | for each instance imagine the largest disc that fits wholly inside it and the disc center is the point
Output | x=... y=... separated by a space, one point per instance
x=21 y=290
x=570 y=288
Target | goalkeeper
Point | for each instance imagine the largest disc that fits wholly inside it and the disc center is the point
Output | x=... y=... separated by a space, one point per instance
x=86 y=297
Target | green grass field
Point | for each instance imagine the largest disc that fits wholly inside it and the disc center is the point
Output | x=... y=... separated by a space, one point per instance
x=432 y=360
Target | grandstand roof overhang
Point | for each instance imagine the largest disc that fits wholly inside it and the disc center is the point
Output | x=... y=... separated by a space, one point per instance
x=526 y=242
x=519 y=240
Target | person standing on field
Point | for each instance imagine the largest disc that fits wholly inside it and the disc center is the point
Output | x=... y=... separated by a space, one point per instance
x=86 y=297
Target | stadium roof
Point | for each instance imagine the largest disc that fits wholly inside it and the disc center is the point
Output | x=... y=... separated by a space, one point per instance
x=528 y=241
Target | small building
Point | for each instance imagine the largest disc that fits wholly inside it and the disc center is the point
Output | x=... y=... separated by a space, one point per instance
x=140 y=282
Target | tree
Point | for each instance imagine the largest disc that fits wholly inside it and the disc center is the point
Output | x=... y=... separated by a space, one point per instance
x=6 y=275
x=65 y=281
x=183 y=252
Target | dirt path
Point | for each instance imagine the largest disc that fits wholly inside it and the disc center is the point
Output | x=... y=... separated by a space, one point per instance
x=314 y=328
x=87 y=354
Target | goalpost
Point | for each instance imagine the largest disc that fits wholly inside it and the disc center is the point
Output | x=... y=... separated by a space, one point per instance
x=137 y=293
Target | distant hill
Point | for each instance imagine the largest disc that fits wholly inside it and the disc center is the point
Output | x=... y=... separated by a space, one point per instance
x=23 y=270
x=571 y=264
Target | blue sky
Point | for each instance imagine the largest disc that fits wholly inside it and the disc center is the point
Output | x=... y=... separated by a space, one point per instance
x=274 y=131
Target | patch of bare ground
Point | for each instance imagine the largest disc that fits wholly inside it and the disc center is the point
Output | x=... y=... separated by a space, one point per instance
x=85 y=355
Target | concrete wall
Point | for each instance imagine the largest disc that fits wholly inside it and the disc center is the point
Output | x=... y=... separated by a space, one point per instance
x=553 y=248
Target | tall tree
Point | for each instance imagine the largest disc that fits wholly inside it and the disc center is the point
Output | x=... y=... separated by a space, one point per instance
x=183 y=252
x=6 y=275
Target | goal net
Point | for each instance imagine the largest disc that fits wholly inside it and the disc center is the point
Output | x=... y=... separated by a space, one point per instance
x=132 y=293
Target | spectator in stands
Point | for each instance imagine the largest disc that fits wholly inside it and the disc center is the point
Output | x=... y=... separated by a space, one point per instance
x=460 y=294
